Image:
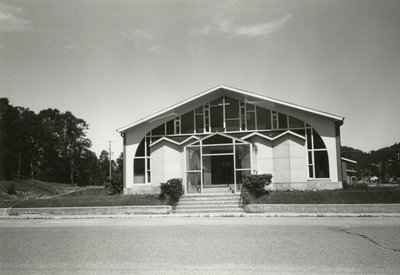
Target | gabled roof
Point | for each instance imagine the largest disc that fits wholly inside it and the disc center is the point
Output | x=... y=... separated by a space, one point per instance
x=239 y=91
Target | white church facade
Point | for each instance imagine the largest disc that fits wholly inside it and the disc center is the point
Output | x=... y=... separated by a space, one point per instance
x=222 y=134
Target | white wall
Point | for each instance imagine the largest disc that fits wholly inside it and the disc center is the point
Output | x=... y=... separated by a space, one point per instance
x=166 y=163
x=298 y=159
x=263 y=155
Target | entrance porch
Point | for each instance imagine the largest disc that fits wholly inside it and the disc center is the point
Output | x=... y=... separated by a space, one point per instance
x=217 y=160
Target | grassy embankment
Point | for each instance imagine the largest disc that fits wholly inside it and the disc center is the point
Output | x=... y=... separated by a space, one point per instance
x=30 y=194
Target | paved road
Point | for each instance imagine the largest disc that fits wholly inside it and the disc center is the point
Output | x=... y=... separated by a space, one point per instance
x=201 y=246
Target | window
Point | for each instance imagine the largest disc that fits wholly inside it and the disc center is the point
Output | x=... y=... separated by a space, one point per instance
x=251 y=120
x=217 y=119
x=232 y=125
x=170 y=127
x=231 y=108
x=242 y=157
x=295 y=123
x=141 y=162
x=159 y=130
x=282 y=118
x=232 y=120
x=217 y=139
x=187 y=123
x=138 y=170
x=177 y=123
x=199 y=120
x=263 y=119
x=243 y=116
x=251 y=117
x=274 y=120
x=321 y=164
x=207 y=118
x=140 y=152
x=318 y=162
x=318 y=143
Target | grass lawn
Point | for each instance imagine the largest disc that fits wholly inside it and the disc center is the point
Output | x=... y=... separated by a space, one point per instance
x=348 y=196
x=101 y=200
x=23 y=186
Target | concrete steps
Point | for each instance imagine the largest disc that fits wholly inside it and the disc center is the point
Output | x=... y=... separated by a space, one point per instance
x=212 y=200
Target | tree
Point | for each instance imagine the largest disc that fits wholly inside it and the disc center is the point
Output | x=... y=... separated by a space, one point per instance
x=88 y=170
x=105 y=166
x=117 y=183
x=74 y=140
x=49 y=146
x=9 y=116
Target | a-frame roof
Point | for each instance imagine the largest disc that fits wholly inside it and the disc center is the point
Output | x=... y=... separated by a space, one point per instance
x=235 y=90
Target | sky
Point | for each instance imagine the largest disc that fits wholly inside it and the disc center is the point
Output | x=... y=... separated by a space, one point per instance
x=114 y=62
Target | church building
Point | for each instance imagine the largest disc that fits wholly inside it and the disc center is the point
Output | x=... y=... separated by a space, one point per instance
x=222 y=134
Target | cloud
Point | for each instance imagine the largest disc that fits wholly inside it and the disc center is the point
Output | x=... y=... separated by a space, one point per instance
x=67 y=48
x=143 y=39
x=155 y=48
x=11 y=19
x=139 y=37
x=228 y=26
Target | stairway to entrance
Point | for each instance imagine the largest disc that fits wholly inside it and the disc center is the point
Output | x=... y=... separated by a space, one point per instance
x=215 y=199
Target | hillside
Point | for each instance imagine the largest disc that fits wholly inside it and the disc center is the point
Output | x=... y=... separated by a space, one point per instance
x=384 y=162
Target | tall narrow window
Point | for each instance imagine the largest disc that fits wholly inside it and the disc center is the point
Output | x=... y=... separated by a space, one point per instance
x=243 y=116
x=318 y=162
x=275 y=120
x=199 y=116
x=139 y=162
x=232 y=114
x=263 y=119
x=217 y=118
x=187 y=123
x=170 y=127
x=321 y=164
x=177 y=123
x=207 y=118
x=138 y=170
x=251 y=116
x=282 y=118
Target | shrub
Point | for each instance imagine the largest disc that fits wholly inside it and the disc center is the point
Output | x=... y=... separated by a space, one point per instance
x=245 y=197
x=115 y=187
x=11 y=190
x=171 y=191
x=256 y=184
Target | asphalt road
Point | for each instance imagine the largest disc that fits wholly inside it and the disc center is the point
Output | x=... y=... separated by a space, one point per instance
x=201 y=246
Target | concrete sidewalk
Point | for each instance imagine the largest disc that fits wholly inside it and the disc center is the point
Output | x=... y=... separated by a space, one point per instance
x=263 y=210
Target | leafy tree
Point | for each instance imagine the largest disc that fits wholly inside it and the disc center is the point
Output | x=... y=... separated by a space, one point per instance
x=105 y=166
x=8 y=124
x=117 y=183
x=49 y=146
x=88 y=170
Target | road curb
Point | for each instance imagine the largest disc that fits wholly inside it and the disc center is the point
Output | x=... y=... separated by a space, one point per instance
x=206 y=215
x=86 y=211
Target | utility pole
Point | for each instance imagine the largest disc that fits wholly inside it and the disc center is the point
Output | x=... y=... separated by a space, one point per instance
x=109 y=151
